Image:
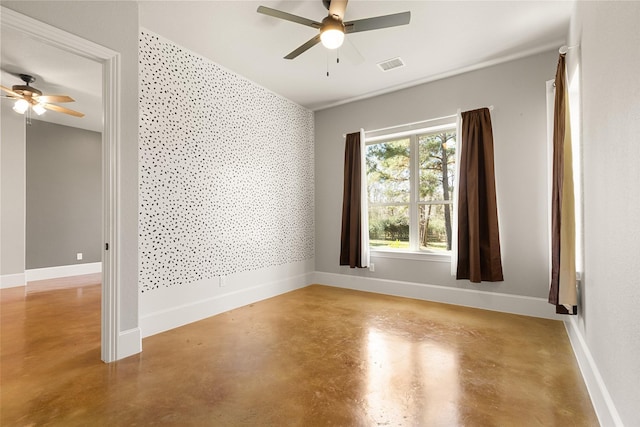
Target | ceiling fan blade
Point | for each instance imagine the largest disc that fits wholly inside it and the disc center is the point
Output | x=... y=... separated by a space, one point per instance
x=10 y=92
x=54 y=98
x=308 y=45
x=288 y=17
x=64 y=110
x=337 y=8
x=378 y=22
x=349 y=51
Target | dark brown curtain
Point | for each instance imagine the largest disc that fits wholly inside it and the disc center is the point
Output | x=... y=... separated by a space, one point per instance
x=351 y=238
x=562 y=291
x=478 y=237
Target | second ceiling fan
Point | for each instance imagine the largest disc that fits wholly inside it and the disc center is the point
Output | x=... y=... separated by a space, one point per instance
x=332 y=29
x=28 y=98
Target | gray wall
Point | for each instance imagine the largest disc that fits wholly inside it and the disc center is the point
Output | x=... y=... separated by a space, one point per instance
x=113 y=24
x=12 y=156
x=517 y=91
x=608 y=61
x=64 y=195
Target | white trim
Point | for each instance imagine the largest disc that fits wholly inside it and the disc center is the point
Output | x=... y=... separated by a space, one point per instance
x=53 y=36
x=110 y=61
x=12 y=280
x=365 y=256
x=600 y=397
x=550 y=98
x=414 y=193
x=164 y=320
x=62 y=271
x=110 y=219
x=129 y=343
x=490 y=63
x=413 y=255
x=456 y=196
x=448 y=124
x=414 y=203
x=408 y=128
x=506 y=303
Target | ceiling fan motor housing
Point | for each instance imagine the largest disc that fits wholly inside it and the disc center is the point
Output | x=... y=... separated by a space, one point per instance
x=332 y=23
x=26 y=90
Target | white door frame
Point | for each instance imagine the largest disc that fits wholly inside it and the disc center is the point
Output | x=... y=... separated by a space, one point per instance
x=110 y=61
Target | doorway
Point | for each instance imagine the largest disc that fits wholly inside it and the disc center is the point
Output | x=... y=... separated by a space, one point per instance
x=109 y=62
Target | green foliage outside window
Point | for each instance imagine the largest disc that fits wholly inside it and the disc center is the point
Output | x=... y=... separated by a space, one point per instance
x=389 y=191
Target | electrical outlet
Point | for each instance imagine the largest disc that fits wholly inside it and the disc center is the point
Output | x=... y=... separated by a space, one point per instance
x=372 y=267
x=79 y=256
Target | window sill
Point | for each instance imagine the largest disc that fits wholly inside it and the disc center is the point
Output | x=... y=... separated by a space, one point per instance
x=413 y=255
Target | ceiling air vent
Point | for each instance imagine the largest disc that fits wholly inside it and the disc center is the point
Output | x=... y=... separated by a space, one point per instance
x=391 y=64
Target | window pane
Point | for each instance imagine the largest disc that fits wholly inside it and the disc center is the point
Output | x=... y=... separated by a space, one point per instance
x=389 y=227
x=388 y=171
x=437 y=165
x=435 y=227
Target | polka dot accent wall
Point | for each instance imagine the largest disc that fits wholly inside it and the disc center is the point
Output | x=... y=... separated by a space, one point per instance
x=226 y=171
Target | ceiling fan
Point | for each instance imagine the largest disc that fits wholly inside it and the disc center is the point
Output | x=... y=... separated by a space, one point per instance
x=29 y=97
x=333 y=28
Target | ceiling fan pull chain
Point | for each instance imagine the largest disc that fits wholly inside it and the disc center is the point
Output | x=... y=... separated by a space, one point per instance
x=327 y=64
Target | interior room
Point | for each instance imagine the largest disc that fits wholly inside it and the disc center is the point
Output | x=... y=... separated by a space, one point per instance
x=222 y=285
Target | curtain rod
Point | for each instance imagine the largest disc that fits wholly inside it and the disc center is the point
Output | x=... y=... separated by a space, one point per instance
x=416 y=123
x=564 y=48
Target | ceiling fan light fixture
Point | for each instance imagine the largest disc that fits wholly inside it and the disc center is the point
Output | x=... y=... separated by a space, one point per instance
x=38 y=109
x=332 y=38
x=21 y=106
x=332 y=32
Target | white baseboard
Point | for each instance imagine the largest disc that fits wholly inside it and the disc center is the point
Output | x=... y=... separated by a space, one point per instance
x=506 y=303
x=215 y=302
x=62 y=271
x=12 y=280
x=600 y=397
x=129 y=343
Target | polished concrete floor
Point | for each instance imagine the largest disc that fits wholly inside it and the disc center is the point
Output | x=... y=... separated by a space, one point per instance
x=318 y=356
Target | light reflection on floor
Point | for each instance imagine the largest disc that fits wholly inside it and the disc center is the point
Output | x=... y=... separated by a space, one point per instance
x=406 y=377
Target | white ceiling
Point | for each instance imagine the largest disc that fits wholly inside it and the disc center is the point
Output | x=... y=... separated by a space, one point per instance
x=444 y=38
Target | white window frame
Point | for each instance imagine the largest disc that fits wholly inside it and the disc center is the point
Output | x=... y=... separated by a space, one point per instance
x=414 y=251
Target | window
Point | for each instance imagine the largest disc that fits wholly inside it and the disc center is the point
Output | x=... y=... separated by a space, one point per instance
x=410 y=183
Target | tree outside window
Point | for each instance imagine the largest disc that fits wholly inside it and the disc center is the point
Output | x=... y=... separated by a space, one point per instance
x=410 y=183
